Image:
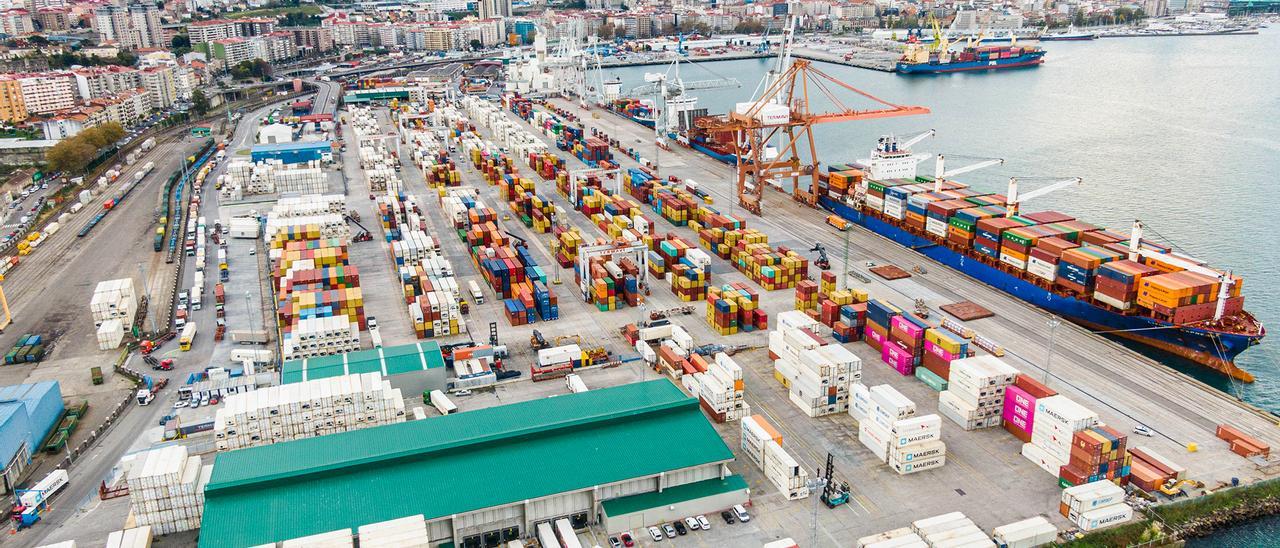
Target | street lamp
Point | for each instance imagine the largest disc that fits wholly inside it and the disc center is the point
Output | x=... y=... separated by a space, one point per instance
x=1054 y=322
x=815 y=485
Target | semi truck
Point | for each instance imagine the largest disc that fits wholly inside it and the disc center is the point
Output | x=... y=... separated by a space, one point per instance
x=188 y=336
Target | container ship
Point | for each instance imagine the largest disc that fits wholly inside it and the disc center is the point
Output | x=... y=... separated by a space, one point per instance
x=919 y=59
x=1092 y=276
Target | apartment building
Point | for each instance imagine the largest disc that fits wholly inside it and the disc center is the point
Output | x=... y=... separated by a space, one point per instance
x=105 y=81
x=208 y=31
x=161 y=83
x=48 y=92
x=16 y=22
x=12 y=108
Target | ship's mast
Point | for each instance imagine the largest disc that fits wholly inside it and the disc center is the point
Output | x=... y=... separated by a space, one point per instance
x=1225 y=279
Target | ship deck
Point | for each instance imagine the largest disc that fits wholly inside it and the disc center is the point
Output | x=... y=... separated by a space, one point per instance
x=984 y=476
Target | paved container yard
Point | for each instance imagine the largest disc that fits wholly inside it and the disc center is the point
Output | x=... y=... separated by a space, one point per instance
x=985 y=476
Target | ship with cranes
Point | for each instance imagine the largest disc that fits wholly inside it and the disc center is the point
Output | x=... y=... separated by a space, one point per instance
x=1121 y=285
x=936 y=56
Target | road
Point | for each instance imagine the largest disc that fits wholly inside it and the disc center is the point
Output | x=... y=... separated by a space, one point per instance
x=77 y=513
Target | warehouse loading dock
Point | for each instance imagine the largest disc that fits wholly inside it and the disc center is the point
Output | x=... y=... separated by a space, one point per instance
x=583 y=446
x=636 y=512
x=413 y=368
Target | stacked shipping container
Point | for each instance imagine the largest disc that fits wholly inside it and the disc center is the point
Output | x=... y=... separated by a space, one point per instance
x=816 y=374
x=762 y=445
x=975 y=392
x=1057 y=419
x=306 y=409
x=166 y=489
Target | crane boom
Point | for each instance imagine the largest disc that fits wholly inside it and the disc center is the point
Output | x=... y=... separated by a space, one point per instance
x=940 y=173
x=922 y=136
x=1225 y=279
x=1012 y=199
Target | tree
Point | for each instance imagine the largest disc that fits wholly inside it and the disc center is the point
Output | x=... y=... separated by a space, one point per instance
x=476 y=45
x=126 y=58
x=669 y=29
x=180 y=42
x=101 y=136
x=199 y=101
x=749 y=26
x=69 y=156
x=1078 y=18
x=606 y=31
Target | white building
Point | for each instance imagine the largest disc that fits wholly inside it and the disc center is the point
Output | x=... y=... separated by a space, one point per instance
x=48 y=92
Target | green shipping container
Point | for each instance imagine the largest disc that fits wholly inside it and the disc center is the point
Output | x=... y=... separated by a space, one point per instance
x=961 y=224
x=935 y=382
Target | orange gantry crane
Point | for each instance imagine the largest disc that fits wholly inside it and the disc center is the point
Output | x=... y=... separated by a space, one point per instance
x=782 y=112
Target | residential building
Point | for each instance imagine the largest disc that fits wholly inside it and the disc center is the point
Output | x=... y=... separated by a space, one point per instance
x=16 y=22
x=276 y=46
x=110 y=21
x=387 y=36
x=311 y=39
x=12 y=108
x=254 y=27
x=95 y=82
x=232 y=51
x=161 y=83
x=444 y=6
x=438 y=38
x=144 y=30
x=127 y=109
x=48 y=91
x=494 y=8
x=207 y=31
x=53 y=19
x=70 y=122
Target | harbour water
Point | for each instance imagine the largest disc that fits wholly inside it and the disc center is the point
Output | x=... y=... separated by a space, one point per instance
x=1182 y=133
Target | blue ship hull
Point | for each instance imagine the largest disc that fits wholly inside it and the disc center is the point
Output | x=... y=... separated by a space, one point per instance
x=1025 y=60
x=726 y=158
x=1214 y=349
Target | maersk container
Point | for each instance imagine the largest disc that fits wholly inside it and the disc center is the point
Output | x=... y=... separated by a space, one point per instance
x=1028 y=533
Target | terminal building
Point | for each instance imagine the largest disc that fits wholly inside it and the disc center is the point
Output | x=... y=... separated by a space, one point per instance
x=621 y=457
x=413 y=368
x=27 y=413
x=293 y=153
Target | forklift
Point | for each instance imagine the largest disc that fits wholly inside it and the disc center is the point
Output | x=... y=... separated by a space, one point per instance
x=537 y=341
x=833 y=495
x=822 y=261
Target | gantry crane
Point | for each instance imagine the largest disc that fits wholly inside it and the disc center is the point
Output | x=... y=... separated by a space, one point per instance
x=669 y=89
x=782 y=112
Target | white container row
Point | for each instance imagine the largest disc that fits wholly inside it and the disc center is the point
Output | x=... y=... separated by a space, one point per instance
x=138 y=537
x=885 y=406
x=310 y=204
x=951 y=530
x=1028 y=533
x=952 y=406
x=1087 y=497
x=1057 y=420
x=313 y=337
x=415 y=246
x=330 y=225
x=166 y=489
x=300 y=410
x=897 y=538
x=783 y=471
x=110 y=334
x=755 y=431
x=408 y=532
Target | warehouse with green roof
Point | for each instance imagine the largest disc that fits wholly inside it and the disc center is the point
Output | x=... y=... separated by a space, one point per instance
x=413 y=368
x=622 y=457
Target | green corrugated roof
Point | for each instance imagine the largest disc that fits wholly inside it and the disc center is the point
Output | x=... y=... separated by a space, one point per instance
x=673 y=495
x=391 y=360
x=455 y=463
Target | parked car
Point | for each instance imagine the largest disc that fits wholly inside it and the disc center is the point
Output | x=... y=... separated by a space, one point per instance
x=614 y=542
x=669 y=530
x=680 y=528
x=692 y=524
x=741 y=513
x=627 y=540
x=727 y=516
x=703 y=523
x=655 y=534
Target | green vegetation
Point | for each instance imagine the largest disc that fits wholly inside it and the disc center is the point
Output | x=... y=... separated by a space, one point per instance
x=256 y=68
x=301 y=9
x=1257 y=498
x=68 y=58
x=199 y=102
x=74 y=154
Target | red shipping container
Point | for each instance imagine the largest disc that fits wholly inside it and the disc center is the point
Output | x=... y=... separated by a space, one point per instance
x=1033 y=387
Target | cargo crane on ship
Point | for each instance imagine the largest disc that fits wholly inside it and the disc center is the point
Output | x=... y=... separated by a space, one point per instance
x=782 y=112
x=669 y=90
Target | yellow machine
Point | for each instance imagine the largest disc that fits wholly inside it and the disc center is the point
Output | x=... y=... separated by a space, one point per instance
x=4 y=304
x=1174 y=488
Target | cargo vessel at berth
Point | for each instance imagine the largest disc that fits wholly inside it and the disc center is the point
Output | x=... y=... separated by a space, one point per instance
x=1110 y=283
x=921 y=60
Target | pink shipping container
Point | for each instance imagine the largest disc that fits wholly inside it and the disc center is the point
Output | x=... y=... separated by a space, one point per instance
x=874 y=335
x=938 y=351
x=899 y=358
x=1019 y=408
x=915 y=331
